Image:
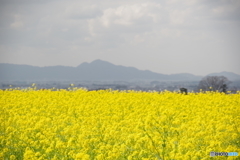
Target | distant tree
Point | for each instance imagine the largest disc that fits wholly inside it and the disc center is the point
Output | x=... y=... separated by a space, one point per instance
x=214 y=83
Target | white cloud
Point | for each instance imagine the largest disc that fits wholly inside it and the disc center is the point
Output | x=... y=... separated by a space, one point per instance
x=18 y=22
x=79 y=11
x=129 y=14
x=125 y=23
x=228 y=10
x=137 y=39
x=179 y=17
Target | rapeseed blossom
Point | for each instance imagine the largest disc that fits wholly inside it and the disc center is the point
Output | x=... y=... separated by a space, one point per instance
x=109 y=125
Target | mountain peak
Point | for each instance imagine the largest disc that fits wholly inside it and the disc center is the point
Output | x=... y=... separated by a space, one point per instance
x=98 y=60
x=101 y=63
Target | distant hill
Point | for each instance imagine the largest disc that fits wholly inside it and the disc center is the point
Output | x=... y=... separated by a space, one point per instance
x=96 y=70
x=230 y=75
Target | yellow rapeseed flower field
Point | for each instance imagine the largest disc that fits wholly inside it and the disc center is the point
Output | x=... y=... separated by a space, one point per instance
x=117 y=125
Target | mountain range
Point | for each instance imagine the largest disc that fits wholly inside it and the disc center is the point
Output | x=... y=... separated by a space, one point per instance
x=97 y=70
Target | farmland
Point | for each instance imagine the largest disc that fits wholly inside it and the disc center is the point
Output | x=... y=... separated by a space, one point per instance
x=114 y=125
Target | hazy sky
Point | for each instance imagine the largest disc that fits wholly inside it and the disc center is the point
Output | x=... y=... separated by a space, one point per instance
x=164 y=36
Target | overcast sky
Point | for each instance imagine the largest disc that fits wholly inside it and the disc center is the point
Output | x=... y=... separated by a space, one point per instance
x=164 y=36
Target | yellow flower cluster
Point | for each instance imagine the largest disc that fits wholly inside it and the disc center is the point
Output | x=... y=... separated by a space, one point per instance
x=117 y=125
